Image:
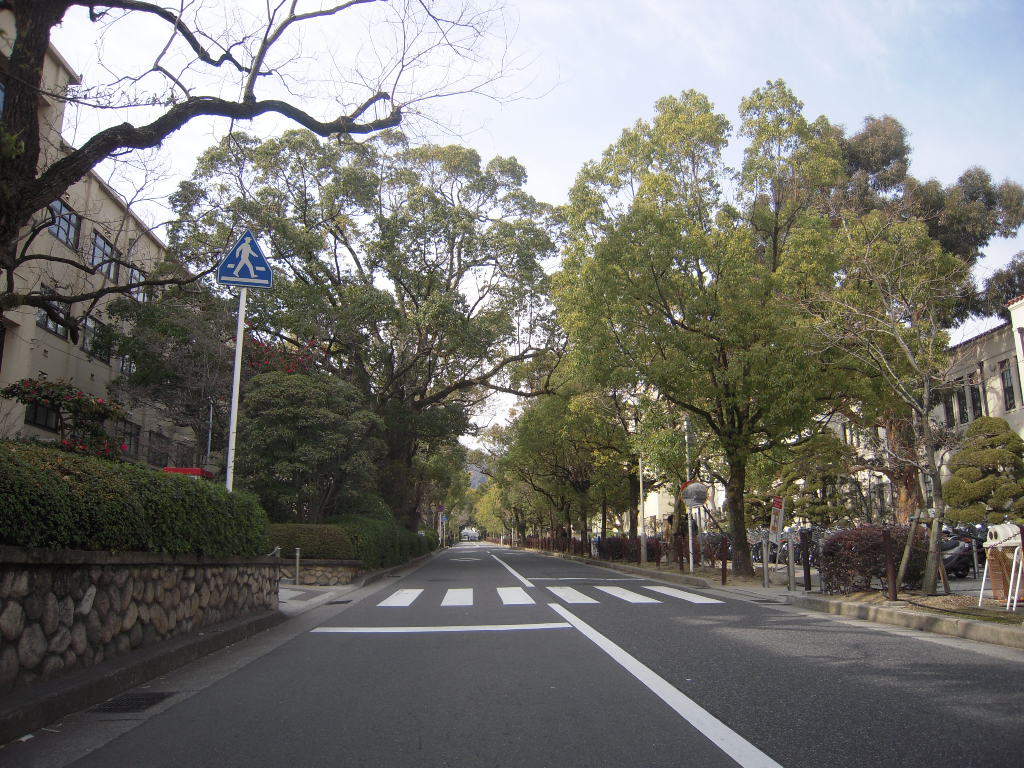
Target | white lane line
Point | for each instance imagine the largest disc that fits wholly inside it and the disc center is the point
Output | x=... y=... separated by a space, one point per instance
x=582 y=578
x=629 y=597
x=526 y=583
x=465 y=559
x=458 y=597
x=400 y=599
x=571 y=595
x=682 y=594
x=514 y=596
x=468 y=628
x=717 y=732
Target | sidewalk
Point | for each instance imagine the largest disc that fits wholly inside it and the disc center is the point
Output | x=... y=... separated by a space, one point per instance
x=24 y=710
x=898 y=614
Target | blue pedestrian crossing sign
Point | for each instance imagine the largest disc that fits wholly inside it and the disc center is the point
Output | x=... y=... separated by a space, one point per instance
x=245 y=265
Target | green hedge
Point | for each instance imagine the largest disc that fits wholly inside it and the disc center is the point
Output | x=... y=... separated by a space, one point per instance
x=376 y=542
x=52 y=499
x=328 y=542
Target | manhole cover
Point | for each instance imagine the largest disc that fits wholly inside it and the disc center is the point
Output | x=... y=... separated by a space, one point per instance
x=132 y=702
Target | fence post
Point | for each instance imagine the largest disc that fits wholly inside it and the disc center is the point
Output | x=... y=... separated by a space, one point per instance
x=805 y=556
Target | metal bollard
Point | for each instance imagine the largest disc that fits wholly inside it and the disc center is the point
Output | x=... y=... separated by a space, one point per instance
x=764 y=562
x=296 y=566
x=805 y=556
x=791 y=564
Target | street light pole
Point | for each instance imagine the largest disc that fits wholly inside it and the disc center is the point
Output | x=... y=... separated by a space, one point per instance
x=643 y=519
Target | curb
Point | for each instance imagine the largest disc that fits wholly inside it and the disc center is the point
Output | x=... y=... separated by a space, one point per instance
x=967 y=629
x=28 y=709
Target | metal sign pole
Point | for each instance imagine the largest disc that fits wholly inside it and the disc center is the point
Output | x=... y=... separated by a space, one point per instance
x=239 y=336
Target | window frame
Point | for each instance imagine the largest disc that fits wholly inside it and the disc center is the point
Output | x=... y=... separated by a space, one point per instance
x=67 y=223
x=104 y=257
x=40 y=416
x=45 y=322
x=90 y=327
x=1006 y=378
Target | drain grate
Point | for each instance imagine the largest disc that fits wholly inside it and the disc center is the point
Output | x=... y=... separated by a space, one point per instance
x=132 y=702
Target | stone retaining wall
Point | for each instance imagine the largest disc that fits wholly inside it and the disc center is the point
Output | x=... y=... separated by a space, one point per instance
x=324 y=573
x=63 y=610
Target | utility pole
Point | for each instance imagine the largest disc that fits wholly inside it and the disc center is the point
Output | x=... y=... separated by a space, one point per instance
x=643 y=520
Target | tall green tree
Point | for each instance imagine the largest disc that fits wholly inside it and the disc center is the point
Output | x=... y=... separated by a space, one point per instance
x=665 y=280
x=308 y=446
x=413 y=272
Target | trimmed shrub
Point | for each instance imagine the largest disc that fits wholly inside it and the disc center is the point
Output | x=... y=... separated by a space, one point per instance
x=375 y=542
x=56 y=500
x=328 y=542
x=850 y=559
x=380 y=543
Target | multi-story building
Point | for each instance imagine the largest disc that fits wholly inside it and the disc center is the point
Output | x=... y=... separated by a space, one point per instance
x=92 y=226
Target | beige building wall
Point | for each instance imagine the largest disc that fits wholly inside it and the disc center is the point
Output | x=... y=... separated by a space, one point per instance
x=100 y=233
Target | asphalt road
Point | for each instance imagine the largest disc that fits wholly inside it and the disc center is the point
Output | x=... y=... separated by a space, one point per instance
x=486 y=656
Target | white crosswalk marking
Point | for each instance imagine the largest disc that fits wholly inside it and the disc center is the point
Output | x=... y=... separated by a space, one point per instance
x=514 y=596
x=689 y=597
x=629 y=597
x=458 y=597
x=401 y=599
x=571 y=595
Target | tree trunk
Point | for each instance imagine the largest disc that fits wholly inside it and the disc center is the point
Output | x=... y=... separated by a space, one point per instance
x=734 y=488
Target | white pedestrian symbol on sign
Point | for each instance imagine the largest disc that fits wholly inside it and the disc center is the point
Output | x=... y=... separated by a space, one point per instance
x=245 y=265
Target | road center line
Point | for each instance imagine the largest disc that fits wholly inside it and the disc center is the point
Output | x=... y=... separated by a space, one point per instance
x=525 y=581
x=467 y=628
x=717 y=732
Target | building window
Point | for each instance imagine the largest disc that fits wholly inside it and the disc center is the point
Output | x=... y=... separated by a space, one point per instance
x=961 y=403
x=127 y=367
x=42 y=417
x=158 y=449
x=104 y=256
x=91 y=328
x=976 y=407
x=129 y=435
x=66 y=225
x=1006 y=377
x=44 y=320
x=947 y=404
x=142 y=293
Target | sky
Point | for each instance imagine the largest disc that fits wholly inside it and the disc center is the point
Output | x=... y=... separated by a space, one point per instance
x=949 y=70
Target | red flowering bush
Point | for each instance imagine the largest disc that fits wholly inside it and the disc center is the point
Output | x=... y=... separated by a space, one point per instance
x=80 y=416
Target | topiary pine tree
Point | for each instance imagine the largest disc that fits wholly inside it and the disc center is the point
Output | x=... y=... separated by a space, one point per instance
x=988 y=474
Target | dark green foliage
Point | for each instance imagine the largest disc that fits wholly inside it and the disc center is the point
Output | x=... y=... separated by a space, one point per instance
x=54 y=500
x=988 y=474
x=380 y=543
x=813 y=481
x=851 y=558
x=328 y=542
x=307 y=445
